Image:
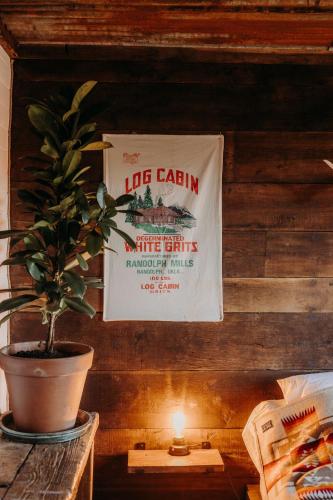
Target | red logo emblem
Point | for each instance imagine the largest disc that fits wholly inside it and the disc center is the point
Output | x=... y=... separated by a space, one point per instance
x=131 y=159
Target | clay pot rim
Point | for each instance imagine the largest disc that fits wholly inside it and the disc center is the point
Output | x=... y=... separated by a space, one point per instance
x=5 y=350
x=45 y=367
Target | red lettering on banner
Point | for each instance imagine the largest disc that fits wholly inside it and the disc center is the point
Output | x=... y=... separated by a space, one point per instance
x=170 y=176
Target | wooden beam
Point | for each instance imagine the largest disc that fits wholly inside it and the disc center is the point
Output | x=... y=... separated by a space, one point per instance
x=220 y=55
x=255 y=27
x=7 y=41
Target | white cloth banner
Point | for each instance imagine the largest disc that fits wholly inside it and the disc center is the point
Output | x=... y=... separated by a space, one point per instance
x=175 y=273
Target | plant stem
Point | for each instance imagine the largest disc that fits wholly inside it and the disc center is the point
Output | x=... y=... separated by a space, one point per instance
x=50 y=333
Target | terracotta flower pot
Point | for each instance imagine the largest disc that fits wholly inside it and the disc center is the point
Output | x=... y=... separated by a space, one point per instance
x=45 y=394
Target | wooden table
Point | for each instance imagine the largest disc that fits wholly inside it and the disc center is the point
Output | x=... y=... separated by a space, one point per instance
x=62 y=471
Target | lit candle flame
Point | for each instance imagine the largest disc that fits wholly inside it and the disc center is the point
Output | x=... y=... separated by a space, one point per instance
x=178 y=423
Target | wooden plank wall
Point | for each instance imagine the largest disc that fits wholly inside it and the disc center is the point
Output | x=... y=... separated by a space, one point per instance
x=278 y=260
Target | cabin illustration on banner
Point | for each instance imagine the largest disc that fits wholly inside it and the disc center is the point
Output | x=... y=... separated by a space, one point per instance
x=156 y=217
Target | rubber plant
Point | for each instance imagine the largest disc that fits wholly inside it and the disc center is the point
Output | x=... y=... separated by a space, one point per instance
x=71 y=224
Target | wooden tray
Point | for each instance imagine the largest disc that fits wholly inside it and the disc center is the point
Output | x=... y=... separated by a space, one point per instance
x=7 y=426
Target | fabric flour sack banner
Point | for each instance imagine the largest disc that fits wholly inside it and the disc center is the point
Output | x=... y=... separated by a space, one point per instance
x=175 y=273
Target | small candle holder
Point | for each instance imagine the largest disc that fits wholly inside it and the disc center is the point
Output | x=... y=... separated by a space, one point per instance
x=179 y=448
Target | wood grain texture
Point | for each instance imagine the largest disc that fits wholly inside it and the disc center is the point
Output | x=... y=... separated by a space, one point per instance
x=277 y=250
x=83 y=52
x=112 y=481
x=111 y=460
x=256 y=341
x=12 y=457
x=53 y=470
x=277 y=102
x=160 y=461
x=243 y=255
x=169 y=70
x=117 y=442
x=146 y=399
x=85 y=490
x=299 y=254
x=281 y=157
x=266 y=157
x=261 y=295
x=293 y=26
x=280 y=207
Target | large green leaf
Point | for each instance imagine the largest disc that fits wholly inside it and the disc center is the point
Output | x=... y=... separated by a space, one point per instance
x=75 y=282
x=8 y=233
x=100 y=195
x=80 y=172
x=124 y=199
x=49 y=148
x=41 y=223
x=105 y=230
x=14 y=302
x=96 y=146
x=82 y=262
x=94 y=243
x=34 y=270
x=42 y=119
x=7 y=317
x=72 y=163
x=83 y=204
x=86 y=129
x=82 y=92
x=14 y=261
x=32 y=242
x=79 y=305
x=69 y=113
x=126 y=237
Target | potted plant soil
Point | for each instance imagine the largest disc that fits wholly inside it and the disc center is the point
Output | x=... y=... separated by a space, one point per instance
x=71 y=225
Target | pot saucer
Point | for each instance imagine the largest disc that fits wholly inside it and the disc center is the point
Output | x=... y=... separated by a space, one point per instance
x=7 y=426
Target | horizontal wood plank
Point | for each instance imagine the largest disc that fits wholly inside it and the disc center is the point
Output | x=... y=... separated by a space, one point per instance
x=243 y=255
x=299 y=254
x=292 y=207
x=195 y=108
x=259 y=27
x=281 y=157
x=167 y=70
x=264 y=295
x=278 y=295
x=288 y=207
x=212 y=55
x=242 y=340
x=255 y=254
x=265 y=157
x=146 y=399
